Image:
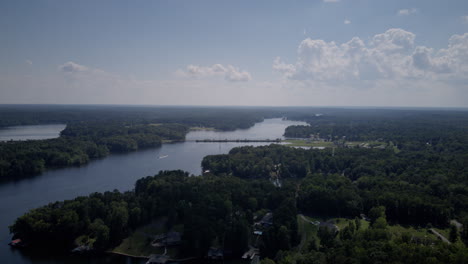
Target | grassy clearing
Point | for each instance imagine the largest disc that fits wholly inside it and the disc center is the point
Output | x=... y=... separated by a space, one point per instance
x=305 y=143
x=344 y=222
x=398 y=230
x=307 y=231
x=139 y=242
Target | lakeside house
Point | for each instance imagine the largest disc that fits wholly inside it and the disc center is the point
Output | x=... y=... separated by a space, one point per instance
x=258 y=232
x=255 y=260
x=251 y=253
x=158 y=259
x=364 y=217
x=267 y=220
x=215 y=253
x=167 y=239
x=330 y=226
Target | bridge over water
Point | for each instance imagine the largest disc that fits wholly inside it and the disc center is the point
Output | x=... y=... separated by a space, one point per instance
x=278 y=140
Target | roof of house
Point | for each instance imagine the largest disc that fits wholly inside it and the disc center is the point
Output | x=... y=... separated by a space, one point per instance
x=215 y=252
x=329 y=225
x=157 y=259
x=267 y=219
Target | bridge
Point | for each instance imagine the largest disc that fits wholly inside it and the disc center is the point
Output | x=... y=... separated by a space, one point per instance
x=278 y=140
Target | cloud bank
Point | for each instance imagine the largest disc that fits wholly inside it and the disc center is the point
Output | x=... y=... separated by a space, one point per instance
x=229 y=72
x=391 y=55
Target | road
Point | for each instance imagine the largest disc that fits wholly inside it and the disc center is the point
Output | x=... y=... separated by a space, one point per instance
x=440 y=236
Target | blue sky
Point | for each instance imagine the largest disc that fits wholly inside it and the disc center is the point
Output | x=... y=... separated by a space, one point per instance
x=235 y=52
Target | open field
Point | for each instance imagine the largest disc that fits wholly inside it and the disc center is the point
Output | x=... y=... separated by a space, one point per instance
x=328 y=144
x=139 y=242
x=305 y=143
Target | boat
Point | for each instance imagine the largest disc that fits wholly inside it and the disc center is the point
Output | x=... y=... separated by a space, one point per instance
x=16 y=243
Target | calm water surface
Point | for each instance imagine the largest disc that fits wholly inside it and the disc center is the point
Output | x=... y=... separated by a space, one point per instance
x=31 y=132
x=114 y=172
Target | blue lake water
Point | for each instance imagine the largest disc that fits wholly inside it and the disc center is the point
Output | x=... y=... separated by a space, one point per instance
x=35 y=132
x=118 y=171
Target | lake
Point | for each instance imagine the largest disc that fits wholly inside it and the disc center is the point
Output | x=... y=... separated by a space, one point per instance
x=117 y=171
x=35 y=132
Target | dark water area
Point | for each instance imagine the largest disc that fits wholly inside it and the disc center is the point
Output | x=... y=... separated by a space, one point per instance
x=118 y=171
x=35 y=132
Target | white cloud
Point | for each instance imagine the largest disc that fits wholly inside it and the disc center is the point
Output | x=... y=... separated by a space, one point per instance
x=464 y=19
x=229 y=72
x=393 y=40
x=406 y=12
x=347 y=22
x=72 y=67
x=287 y=69
x=391 y=55
x=74 y=83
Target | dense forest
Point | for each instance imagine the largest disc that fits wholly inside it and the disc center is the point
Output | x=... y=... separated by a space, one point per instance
x=408 y=129
x=336 y=205
x=221 y=211
x=213 y=211
x=221 y=118
x=416 y=188
x=79 y=143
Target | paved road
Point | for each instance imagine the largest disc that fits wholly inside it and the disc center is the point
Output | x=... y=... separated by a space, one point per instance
x=440 y=236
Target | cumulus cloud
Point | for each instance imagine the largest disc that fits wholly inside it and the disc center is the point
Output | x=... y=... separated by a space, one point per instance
x=347 y=22
x=229 y=72
x=72 y=67
x=391 y=55
x=464 y=19
x=406 y=12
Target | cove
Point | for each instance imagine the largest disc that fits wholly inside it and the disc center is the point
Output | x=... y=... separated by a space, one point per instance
x=117 y=171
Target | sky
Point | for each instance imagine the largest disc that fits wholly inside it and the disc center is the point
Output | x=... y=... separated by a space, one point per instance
x=265 y=53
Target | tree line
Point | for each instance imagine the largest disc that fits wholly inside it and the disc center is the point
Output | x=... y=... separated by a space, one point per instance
x=79 y=143
x=212 y=210
x=417 y=187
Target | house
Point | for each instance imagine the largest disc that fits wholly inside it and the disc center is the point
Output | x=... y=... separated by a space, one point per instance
x=251 y=253
x=255 y=260
x=258 y=232
x=157 y=259
x=215 y=253
x=330 y=225
x=457 y=224
x=364 y=217
x=82 y=249
x=267 y=220
x=167 y=239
